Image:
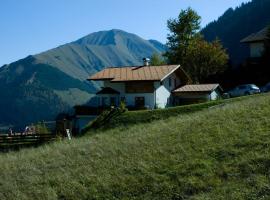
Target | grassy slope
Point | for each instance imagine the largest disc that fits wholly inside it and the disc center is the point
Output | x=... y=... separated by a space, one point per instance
x=219 y=153
x=147 y=116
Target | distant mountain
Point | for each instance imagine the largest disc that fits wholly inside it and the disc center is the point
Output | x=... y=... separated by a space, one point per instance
x=41 y=86
x=235 y=24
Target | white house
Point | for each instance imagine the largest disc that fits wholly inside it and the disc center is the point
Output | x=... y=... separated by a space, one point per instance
x=139 y=87
x=147 y=87
x=256 y=42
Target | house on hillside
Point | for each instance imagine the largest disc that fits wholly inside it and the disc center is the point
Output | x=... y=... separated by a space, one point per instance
x=139 y=87
x=256 y=43
x=143 y=87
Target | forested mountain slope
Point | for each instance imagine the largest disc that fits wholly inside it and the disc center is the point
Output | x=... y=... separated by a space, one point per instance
x=235 y=24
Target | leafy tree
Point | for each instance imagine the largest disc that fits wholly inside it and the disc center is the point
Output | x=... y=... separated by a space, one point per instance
x=204 y=59
x=186 y=46
x=157 y=60
x=183 y=30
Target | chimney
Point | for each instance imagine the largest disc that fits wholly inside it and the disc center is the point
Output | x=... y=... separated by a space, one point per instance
x=146 y=61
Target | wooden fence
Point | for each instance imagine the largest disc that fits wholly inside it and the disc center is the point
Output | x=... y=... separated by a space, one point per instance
x=15 y=142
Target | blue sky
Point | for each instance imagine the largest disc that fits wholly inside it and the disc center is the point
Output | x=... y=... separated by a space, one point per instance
x=32 y=26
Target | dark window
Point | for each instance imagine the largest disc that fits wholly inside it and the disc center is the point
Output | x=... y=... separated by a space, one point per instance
x=139 y=101
x=170 y=82
x=113 y=101
x=175 y=83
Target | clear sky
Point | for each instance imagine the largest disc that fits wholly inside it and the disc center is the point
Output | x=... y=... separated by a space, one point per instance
x=32 y=26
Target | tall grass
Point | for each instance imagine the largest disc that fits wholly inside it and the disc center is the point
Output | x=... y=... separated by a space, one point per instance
x=219 y=153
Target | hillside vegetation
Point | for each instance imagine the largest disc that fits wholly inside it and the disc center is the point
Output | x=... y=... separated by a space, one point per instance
x=218 y=153
x=236 y=24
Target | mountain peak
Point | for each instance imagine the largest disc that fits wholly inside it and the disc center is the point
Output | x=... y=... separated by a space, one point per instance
x=107 y=37
x=101 y=37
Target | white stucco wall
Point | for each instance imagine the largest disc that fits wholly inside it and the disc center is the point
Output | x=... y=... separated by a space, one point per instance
x=214 y=95
x=163 y=91
x=162 y=95
x=256 y=49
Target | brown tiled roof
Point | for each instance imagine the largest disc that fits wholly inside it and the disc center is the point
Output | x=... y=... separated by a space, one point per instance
x=142 y=73
x=256 y=37
x=197 y=88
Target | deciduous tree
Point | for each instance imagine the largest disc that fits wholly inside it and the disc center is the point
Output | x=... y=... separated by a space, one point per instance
x=203 y=59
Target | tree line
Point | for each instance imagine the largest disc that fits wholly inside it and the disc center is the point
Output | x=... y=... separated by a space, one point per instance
x=187 y=47
x=204 y=61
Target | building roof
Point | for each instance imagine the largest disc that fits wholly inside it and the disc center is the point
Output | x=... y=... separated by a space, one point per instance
x=108 y=90
x=256 y=37
x=141 y=73
x=197 y=88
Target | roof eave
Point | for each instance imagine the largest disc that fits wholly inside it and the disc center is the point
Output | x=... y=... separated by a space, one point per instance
x=99 y=79
x=167 y=75
x=250 y=41
x=122 y=81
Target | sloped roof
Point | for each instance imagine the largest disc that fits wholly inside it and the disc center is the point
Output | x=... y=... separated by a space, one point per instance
x=197 y=88
x=256 y=37
x=141 y=73
x=108 y=90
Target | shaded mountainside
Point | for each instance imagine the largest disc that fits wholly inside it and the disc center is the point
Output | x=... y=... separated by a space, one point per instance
x=41 y=86
x=236 y=24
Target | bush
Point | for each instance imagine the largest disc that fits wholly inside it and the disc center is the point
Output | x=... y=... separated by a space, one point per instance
x=41 y=128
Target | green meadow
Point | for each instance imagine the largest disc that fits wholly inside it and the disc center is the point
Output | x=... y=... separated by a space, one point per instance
x=218 y=152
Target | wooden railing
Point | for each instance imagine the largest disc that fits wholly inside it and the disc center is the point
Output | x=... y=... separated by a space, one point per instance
x=15 y=142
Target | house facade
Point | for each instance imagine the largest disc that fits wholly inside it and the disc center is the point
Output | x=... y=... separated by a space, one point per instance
x=139 y=87
x=256 y=43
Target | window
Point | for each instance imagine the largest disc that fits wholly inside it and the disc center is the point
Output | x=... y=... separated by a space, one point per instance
x=113 y=101
x=139 y=102
x=175 y=83
x=170 y=82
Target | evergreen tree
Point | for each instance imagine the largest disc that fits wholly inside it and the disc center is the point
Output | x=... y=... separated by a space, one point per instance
x=183 y=30
x=187 y=47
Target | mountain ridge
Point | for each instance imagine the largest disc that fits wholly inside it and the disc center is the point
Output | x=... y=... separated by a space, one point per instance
x=55 y=80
